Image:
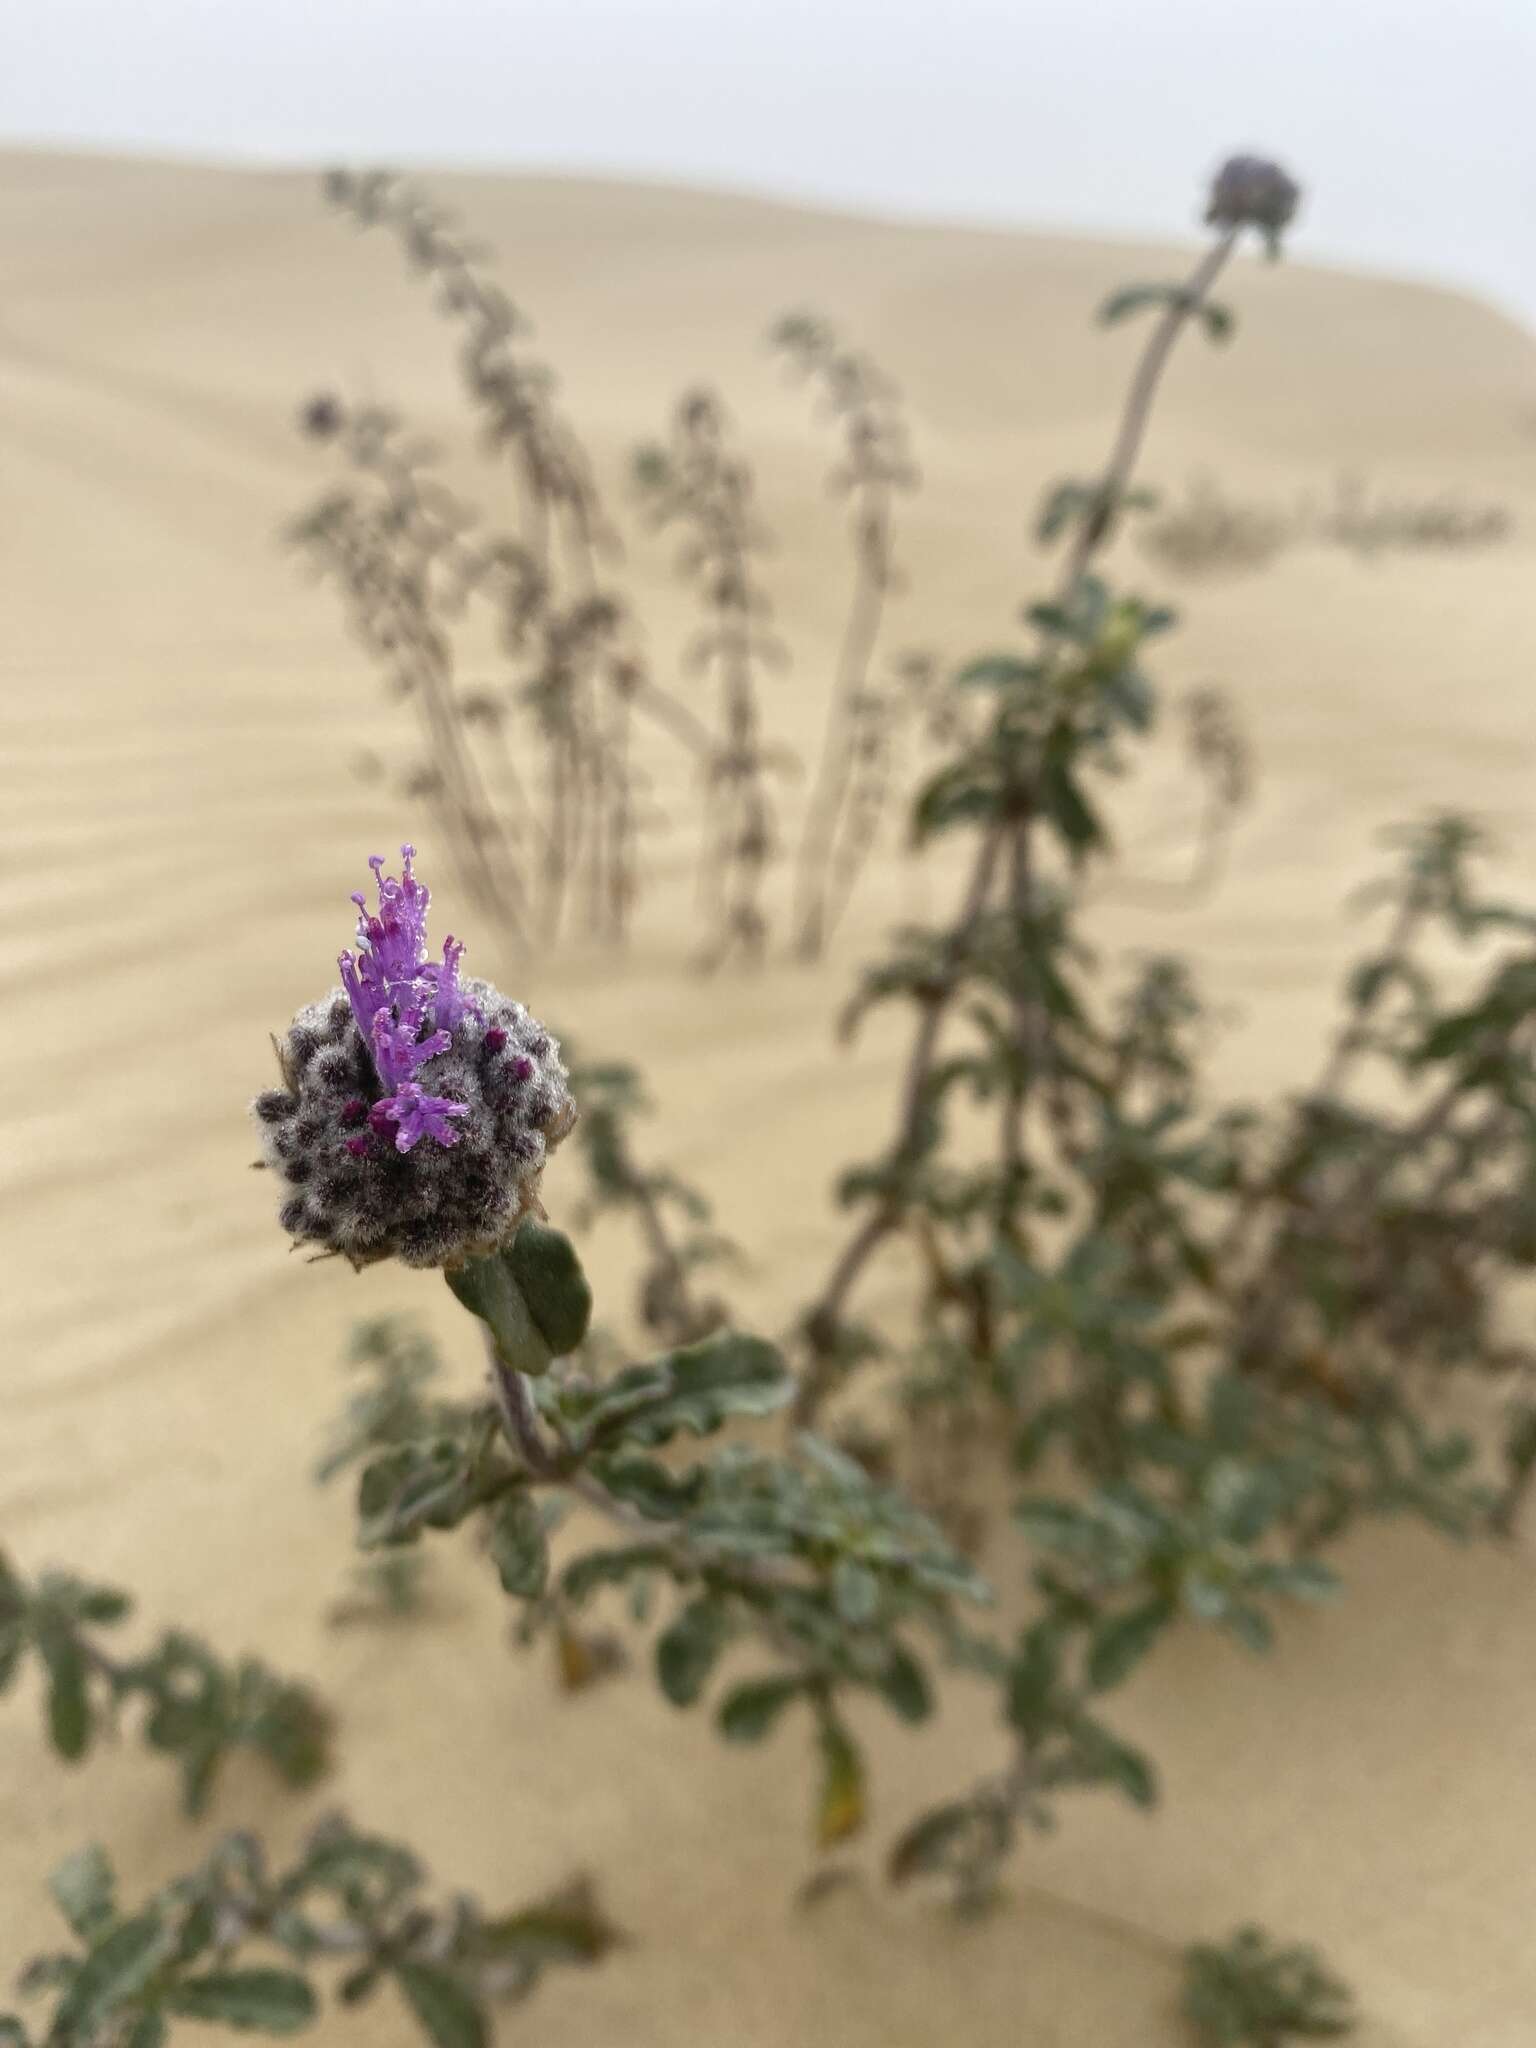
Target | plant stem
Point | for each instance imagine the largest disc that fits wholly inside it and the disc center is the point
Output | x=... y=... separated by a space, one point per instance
x=821 y=1322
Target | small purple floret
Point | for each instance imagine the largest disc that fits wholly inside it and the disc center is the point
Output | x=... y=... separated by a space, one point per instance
x=495 y=1039
x=417 y=1115
x=353 y=1112
x=406 y=1006
x=521 y=1068
x=359 y=1146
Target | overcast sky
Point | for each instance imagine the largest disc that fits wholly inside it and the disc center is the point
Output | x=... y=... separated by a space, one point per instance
x=1410 y=122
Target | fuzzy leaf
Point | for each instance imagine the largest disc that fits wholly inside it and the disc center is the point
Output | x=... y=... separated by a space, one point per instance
x=1032 y=1683
x=1121 y=1642
x=519 y=1548
x=855 y=1592
x=687 y=1652
x=83 y=1887
x=260 y=2001
x=544 y=1265
x=583 y=1576
x=115 y=1971
x=748 y=1711
x=450 y=2015
x=69 y=1707
x=904 y=1686
x=697 y=1389
x=488 y=1289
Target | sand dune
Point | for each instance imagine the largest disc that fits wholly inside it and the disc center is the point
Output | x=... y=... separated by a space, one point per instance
x=179 y=831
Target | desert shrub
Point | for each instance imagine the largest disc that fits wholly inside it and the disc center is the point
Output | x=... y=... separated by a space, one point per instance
x=348 y=1900
x=1251 y=1994
x=1211 y=531
x=1369 y=523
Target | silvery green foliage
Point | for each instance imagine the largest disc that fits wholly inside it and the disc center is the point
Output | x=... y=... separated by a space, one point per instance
x=1209 y=1332
x=1250 y=1993
x=347 y=1189
x=191 y=1704
x=827 y=1582
x=350 y=1902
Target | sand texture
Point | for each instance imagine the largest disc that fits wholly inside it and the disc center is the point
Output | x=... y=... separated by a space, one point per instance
x=179 y=831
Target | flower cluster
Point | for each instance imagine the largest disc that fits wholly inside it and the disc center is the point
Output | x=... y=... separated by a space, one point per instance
x=1250 y=191
x=416 y=1111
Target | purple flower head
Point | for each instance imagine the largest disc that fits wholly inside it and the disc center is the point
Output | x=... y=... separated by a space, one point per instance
x=408 y=1050
x=406 y=1006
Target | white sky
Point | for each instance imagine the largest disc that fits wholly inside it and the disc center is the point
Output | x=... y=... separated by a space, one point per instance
x=1410 y=122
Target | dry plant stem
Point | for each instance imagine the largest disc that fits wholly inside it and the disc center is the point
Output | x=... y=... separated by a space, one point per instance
x=563 y=534
x=872 y=520
x=744 y=809
x=822 y=1321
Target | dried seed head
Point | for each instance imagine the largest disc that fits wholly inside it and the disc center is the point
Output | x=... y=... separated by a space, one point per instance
x=397 y=1135
x=321 y=418
x=1250 y=191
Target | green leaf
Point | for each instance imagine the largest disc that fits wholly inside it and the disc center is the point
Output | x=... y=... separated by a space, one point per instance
x=904 y=1685
x=149 y=2031
x=998 y=672
x=749 y=1711
x=660 y=1494
x=69 y=1707
x=583 y=1576
x=417 y=1486
x=687 y=1652
x=1116 y=1763
x=964 y=792
x=519 y=1547
x=262 y=2001
x=1121 y=1642
x=1136 y=298
x=697 y=1389
x=116 y=1970
x=450 y=2015
x=84 y=1888
x=1033 y=1705
x=548 y=1273
x=855 y=1592
x=488 y=1290
x=1064 y=803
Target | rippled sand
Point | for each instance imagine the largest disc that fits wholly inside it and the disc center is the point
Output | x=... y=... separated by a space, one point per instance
x=180 y=830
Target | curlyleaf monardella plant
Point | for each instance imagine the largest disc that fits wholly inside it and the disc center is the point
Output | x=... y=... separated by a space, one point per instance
x=416 y=1111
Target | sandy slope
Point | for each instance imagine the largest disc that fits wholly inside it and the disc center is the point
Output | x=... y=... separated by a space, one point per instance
x=178 y=834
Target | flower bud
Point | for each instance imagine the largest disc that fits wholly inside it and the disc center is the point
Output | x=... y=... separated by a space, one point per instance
x=1250 y=191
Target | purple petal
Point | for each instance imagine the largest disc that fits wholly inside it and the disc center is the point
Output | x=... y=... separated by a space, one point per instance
x=416 y=1116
